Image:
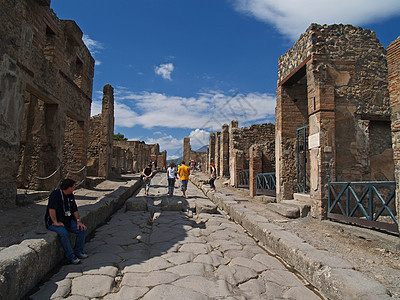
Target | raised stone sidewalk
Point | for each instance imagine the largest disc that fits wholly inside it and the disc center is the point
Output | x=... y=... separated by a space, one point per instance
x=25 y=262
x=332 y=275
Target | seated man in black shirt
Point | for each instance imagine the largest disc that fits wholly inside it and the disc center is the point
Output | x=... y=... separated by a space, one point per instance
x=62 y=216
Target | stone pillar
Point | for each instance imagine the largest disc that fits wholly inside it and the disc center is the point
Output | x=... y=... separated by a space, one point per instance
x=286 y=122
x=211 y=148
x=232 y=157
x=224 y=151
x=186 y=149
x=255 y=167
x=217 y=152
x=393 y=58
x=107 y=136
x=206 y=168
x=321 y=141
x=237 y=165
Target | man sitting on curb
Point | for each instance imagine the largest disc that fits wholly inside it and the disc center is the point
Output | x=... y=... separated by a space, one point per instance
x=62 y=216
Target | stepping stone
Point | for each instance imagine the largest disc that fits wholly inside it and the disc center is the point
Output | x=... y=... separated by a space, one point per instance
x=171 y=204
x=136 y=204
x=205 y=206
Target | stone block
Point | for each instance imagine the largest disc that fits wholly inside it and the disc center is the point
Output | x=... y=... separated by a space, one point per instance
x=205 y=206
x=285 y=210
x=136 y=204
x=171 y=204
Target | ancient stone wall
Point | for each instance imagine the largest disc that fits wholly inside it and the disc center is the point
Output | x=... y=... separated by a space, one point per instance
x=101 y=134
x=333 y=84
x=46 y=80
x=211 y=150
x=189 y=154
x=186 y=149
x=217 y=152
x=224 y=152
x=393 y=57
x=138 y=155
x=240 y=141
x=261 y=160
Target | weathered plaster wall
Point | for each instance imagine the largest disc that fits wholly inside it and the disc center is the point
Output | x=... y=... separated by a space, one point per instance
x=47 y=70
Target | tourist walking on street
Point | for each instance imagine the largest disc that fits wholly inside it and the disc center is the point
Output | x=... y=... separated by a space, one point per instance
x=147 y=173
x=213 y=176
x=171 y=174
x=62 y=216
x=184 y=173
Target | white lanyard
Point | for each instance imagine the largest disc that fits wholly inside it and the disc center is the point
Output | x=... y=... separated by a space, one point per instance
x=62 y=196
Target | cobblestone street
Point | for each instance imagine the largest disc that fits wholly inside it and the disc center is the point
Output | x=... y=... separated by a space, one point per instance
x=160 y=254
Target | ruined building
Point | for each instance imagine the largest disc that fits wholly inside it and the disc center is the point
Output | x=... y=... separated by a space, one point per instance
x=108 y=158
x=332 y=113
x=189 y=154
x=101 y=137
x=393 y=57
x=240 y=142
x=46 y=79
x=231 y=150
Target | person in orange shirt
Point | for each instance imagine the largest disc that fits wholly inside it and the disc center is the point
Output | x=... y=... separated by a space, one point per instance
x=184 y=173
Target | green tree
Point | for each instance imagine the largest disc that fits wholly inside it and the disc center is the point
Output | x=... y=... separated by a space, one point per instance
x=119 y=137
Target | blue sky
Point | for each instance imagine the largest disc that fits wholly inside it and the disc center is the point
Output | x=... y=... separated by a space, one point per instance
x=185 y=67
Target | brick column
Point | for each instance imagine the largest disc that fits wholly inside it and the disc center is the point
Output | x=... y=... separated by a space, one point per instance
x=107 y=132
x=217 y=152
x=211 y=150
x=255 y=167
x=224 y=152
x=321 y=142
x=186 y=150
x=232 y=157
x=393 y=58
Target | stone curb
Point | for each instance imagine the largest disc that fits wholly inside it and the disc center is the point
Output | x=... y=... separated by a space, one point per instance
x=22 y=266
x=333 y=276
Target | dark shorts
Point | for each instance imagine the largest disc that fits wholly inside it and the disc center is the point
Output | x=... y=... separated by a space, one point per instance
x=184 y=184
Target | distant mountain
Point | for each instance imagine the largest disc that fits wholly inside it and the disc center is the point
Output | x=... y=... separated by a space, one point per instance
x=202 y=149
x=176 y=161
x=179 y=159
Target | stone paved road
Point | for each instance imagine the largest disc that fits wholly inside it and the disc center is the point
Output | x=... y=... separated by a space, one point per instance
x=159 y=254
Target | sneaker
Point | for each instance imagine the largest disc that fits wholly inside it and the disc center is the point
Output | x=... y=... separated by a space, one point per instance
x=82 y=255
x=75 y=261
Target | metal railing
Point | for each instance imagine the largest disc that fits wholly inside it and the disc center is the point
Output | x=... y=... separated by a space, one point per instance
x=266 y=184
x=266 y=181
x=364 y=203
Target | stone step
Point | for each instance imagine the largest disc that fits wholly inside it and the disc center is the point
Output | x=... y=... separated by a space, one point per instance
x=302 y=197
x=291 y=208
x=285 y=210
x=304 y=207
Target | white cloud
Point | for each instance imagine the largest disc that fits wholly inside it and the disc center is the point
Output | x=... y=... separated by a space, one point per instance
x=292 y=17
x=199 y=138
x=97 y=63
x=207 y=111
x=95 y=108
x=164 y=70
x=93 y=46
x=166 y=142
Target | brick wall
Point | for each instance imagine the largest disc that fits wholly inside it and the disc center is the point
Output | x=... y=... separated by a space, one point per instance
x=393 y=57
x=241 y=139
x=334 y=80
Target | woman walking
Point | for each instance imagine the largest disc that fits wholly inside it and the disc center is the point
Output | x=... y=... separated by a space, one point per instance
x=213 y=176
x=147 y=173
x=171 y=174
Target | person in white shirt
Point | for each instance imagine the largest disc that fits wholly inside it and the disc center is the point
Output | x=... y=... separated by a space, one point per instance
x=172 y=174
